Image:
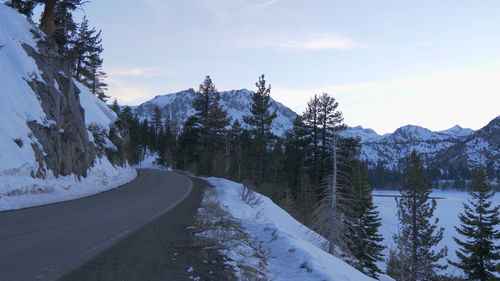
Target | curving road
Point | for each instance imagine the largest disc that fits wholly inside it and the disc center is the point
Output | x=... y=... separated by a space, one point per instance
x=43 y=243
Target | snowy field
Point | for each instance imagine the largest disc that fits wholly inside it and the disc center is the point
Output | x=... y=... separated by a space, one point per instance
x=447 y=210
x=286 y=242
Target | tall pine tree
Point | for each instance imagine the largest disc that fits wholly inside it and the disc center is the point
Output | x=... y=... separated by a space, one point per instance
x=330 y=122
x=418 y=235
x=479 y=252
x=84 y=51
x=366 y=240
x=260 y=121
x=311 y=120
x=210 y=122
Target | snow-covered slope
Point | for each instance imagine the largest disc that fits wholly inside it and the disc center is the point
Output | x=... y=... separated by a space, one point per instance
x=285 y=241
x=47 y=152
x=237 y=103
x=457 y=131
x=366 y=135
x=390 y=149
x=481 y=147
x=18 y=103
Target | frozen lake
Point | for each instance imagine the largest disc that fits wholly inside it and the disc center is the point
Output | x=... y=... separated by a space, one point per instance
x=449 y=206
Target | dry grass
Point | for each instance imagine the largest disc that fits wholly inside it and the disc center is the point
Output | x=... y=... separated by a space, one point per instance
x=34 y=189
x=217 y=232
x=248 y=195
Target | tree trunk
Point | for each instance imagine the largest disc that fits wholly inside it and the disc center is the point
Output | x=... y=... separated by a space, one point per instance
x=48 y=24
x=414 y=266
x=333 y=194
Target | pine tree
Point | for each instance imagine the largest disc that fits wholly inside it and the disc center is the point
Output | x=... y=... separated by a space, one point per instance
x=115 y=106
x=166 y=146
x=65 y=26
x=332 y=213
x=97 y=85
x=85 y=49
x=415 y=211
x=366 y=245
x=189 y=145
x=296 y=146
x=202 y=103
x=260 y=121
x=330 y=121
x=236 y=156
x=479 y=252
x=210 y=121
x=157 y=119
x=311 y=120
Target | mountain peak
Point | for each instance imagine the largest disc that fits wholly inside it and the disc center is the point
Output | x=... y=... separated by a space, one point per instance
x=237 y=103
x=457 y=131
x=366 y=135
x=413 y=132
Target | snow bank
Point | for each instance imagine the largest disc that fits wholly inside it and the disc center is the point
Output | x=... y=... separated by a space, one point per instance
x=285 y=240
x=21 y=191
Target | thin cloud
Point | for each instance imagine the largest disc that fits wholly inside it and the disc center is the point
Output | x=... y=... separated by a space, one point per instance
x=128 y=93
x=139 y=72
x=317 y=42
x=267 y=4
x=312 y=41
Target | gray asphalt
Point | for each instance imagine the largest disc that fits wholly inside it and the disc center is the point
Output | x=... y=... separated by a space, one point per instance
x=43 y=243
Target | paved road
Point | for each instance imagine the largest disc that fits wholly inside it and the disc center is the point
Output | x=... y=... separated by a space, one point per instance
x=164 y=249
x=43 y=243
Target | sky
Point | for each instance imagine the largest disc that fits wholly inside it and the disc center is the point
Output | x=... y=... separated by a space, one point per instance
x=389 y=63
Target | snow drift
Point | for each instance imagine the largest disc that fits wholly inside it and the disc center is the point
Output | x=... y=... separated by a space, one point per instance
x=286 y=241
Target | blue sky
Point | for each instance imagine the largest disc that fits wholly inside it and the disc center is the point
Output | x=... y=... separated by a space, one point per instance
x=389 y=63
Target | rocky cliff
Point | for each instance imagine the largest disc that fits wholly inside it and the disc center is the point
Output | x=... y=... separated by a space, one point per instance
x=51 y=125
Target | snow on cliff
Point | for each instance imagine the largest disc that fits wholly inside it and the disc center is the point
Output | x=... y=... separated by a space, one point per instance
x=19 y=105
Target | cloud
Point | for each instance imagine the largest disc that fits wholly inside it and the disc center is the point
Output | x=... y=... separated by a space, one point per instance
x=305 y=40
x=127 y=90
x=268 y=3
x=138 y=71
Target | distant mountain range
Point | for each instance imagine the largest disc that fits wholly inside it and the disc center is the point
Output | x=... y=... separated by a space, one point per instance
x=453 y=147
x=444 y=149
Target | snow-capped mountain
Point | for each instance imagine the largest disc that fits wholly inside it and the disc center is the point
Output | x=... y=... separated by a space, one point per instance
x=366 y=135
x=237 y=103
x=457 y=131
x=390 y=149
x=481 y=147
